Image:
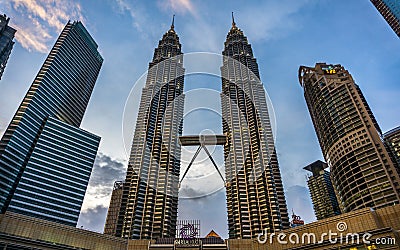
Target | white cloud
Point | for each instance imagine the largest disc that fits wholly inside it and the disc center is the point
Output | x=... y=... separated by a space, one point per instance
x=38 y=22
x=271 y=19
x=178 y=6
x=201 y=35
x=124 y=6
x=93 y=219
x=2 y=127
x=202 y=179
x=141 y=21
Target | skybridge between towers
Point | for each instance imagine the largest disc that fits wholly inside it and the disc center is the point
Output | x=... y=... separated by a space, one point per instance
x=202 y=141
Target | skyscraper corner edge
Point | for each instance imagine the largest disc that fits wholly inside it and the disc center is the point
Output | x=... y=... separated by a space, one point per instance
x=88 y=36
x=7 y=34
x=45 y=157
x=390 y=11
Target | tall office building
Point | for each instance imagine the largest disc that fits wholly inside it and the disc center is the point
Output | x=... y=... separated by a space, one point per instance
x=6 y=42
x=392 y=140
x=390 y=10
x=254 y=190
x=321 y=189
x=362 y=171
x=110 y=226
x=45 y=158
x=150 y=193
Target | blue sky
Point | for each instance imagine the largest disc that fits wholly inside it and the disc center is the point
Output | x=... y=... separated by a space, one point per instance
x=284 y=35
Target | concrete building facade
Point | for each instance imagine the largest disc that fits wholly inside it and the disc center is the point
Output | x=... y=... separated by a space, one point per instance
x=362 y=170
x=322 y=192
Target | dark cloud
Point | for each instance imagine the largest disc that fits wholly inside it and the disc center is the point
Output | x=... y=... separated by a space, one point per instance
x=93 y=219
x=196 y=191
x=298 y=198
x=106 y=171
x=94 y=209
x=190 y=192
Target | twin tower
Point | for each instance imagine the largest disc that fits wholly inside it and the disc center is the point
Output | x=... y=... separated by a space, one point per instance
x=254 y=190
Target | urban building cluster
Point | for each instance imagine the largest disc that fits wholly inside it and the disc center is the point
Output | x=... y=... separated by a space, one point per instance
x=46 y=158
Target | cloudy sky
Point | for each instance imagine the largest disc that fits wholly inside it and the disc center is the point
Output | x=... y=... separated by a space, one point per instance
x=284 y=35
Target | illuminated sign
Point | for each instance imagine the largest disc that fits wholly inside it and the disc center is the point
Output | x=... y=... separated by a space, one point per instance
x=328 y=69
x=184 y=243
x=188 y=232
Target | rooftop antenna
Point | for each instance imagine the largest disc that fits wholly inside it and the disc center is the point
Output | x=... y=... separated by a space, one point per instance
x=173 y=21
x=233 y=20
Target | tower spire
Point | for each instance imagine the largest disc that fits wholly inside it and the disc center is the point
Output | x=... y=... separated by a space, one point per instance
x=233 y=20
x=173 y=21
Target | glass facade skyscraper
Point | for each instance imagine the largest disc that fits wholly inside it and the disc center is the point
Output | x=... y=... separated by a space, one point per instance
x=390 y=10
x=254 y=189
x=363 y=172
x=6 y=42
x=45 y=158
x=149 y=206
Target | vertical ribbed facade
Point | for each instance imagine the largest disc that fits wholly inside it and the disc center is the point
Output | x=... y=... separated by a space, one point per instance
x=254 y=190
x=390 y=10
x=150 y=194
x=45 y=159
x=362 y=171
x=392 y=140
x=322 y=192
x=113 y=210
x=6 y=42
